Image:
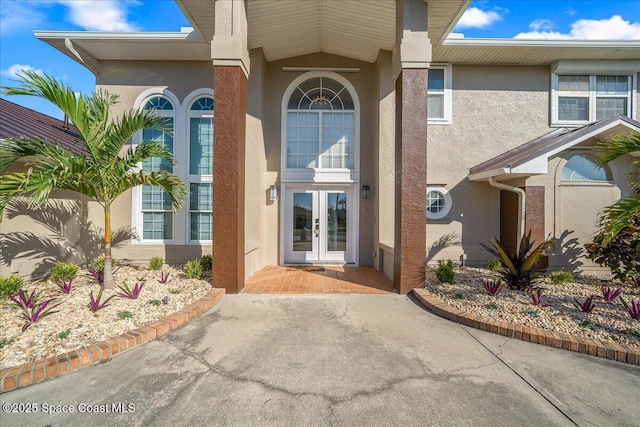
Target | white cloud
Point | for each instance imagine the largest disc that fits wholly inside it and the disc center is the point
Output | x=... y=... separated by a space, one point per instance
x=614 y=28
x=99 y=15
x=478 y=18
x=541 y=25
x=15 y=69
x=19 y=16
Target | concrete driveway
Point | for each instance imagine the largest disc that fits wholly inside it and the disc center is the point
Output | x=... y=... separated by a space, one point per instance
x=356 y=360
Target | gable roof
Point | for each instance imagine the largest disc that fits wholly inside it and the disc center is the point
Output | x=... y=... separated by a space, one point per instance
x=532 y=157
x=17 y=121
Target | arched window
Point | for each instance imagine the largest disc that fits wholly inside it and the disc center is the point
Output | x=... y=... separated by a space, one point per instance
x=200 y=169
x=581 y=167
x=157 y=216
x=320 y=126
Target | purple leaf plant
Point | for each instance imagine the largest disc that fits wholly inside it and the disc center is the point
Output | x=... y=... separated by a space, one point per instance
x=130 y=293
x=633 y=309
x=493 y=287
x=96 y=303
x=64 y=285
x=610 y=294
x=164 y=278
x=536 y=297
x=587 y=306
x=97 y=275
x=32 y=309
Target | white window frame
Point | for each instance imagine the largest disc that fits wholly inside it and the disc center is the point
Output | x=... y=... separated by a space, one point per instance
x=337 y=175
x=447 y=203
x=447 y=94
x=193 y=178
x=181 y=220
x=592 y=95
x=137 y=232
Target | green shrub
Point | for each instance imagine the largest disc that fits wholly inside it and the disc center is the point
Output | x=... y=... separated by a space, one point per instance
x=560 y=277
x=98 y=263
x=205 y=261
x=622 y=254
x=124 y=315
x=155 y=302
x=64 y=334
x=63 y=271
x=519 y=270
x=10 y=285
x=494 y=265
x=444 y=272
x=193 y=269
x=155 y=263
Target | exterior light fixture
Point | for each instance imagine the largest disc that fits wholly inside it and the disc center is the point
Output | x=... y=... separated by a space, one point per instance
x=366 y=192
x=273 y=192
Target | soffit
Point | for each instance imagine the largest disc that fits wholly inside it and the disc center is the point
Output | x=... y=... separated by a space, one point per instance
x=356 y=29
x=532 y=52
x=201 y=15
x=99 y=46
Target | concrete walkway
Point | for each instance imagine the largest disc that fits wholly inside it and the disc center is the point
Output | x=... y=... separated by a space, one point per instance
x=351 y=360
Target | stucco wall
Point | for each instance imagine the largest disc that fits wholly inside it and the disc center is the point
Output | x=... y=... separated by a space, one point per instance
x=495 y=108
x=130 y=79
x=277 y=81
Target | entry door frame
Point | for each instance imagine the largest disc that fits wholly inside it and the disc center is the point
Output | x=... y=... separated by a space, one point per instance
x=353 y=220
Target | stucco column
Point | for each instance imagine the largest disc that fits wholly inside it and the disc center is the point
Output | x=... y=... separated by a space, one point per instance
x=412 y=56
x=230 y=88
x=410 y=251
x=230 y=71
x=534 y=213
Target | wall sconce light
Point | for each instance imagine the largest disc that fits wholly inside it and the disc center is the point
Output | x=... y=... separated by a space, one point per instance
x=273 y=192
x=366 y=192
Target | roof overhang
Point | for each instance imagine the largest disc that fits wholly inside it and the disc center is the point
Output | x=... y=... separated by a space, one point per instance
x=532 y=52
x=88 y=48
x=532 y=158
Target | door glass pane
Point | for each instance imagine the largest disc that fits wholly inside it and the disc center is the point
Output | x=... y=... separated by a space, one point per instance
x=302 y=222
x=336 y=222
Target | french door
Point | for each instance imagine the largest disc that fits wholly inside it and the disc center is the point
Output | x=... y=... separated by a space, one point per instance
x=319 y=225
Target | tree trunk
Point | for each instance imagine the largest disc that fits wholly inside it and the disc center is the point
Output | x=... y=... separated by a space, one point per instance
x=108 y=271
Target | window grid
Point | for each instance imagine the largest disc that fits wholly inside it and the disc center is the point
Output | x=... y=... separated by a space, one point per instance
x=322 y=138
x=157 y=215
x=435 y=202
x=585 y=98
x=200 y=206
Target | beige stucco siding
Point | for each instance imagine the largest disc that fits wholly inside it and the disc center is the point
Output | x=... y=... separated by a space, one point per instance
x=495 y=109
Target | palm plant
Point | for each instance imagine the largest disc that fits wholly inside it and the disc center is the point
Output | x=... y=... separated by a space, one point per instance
x=617 y=216
x=103 y=172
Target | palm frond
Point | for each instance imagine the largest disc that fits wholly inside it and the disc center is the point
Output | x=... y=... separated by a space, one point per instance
x=616 y=217
x=618 y=146
x=169 y=182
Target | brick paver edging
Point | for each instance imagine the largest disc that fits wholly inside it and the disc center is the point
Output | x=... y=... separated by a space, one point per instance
x=569 y=342
x=54 y=366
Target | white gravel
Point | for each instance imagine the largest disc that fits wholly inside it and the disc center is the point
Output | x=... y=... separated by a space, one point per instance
x=42 y=339
x=609 y=322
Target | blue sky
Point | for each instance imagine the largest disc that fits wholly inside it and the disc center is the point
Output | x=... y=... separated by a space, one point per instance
x=590 y=19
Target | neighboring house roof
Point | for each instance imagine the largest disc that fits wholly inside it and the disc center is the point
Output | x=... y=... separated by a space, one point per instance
x=17 y=121
x=532 y=157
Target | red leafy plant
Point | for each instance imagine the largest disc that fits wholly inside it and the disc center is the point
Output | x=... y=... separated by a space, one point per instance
x=164 y=278
x=633 y=309
x=98 y=275
x=96 y=303
x=536 y=297
x=130 y=293
x=610 y=294
x=587 y=306
x=32 y=309
x=493 y=287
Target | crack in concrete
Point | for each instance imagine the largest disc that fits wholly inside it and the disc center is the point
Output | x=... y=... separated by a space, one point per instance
x=444 y=376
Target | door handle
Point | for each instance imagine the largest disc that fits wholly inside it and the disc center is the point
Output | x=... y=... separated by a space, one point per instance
x=316 y=230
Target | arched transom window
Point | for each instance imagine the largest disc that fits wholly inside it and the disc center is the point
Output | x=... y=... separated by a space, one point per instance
x=583 y=168
x=320 y=126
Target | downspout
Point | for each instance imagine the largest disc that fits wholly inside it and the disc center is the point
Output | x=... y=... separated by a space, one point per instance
x=521 y=205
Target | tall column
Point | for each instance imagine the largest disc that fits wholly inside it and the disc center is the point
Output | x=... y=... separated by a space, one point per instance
x=230 y=90
x=412 y=57
x=230 y=71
